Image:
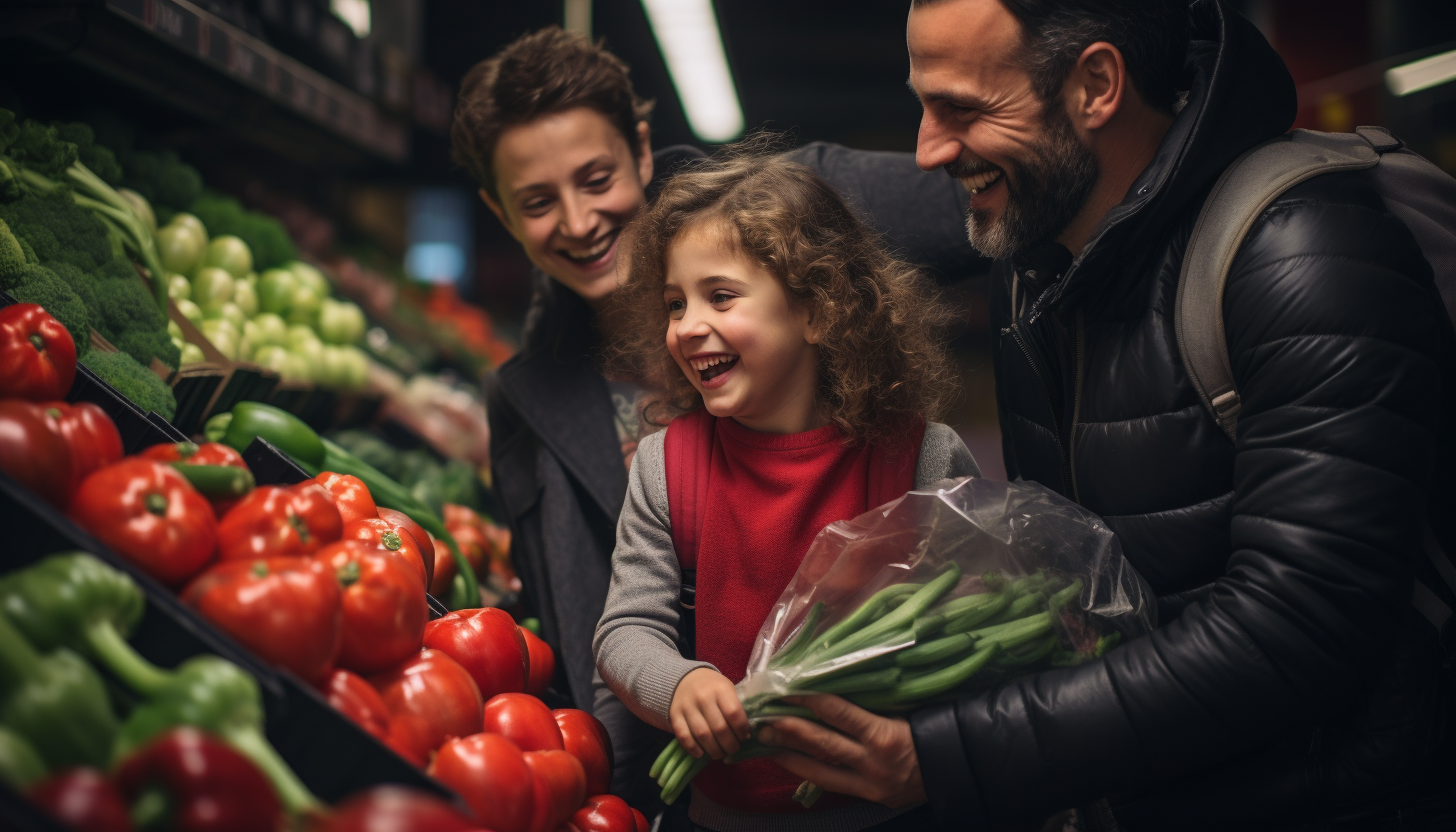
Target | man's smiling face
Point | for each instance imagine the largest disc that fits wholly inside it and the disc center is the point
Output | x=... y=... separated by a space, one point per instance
x=567 y=182
x=1020 y=158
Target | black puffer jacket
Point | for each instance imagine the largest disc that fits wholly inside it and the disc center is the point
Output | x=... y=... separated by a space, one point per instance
x=1289 y=680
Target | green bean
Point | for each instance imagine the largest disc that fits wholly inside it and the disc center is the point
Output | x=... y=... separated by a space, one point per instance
x=1021 y=607
x=927 y=625
x=667 y=753
x=867 y=611
x=859 y=682
x=1066 y=596
x=934 y=652
x=777 y=709
x=684 y=778
x=1029 y=656
x=900 y=618
x=796 y=646
x=913 y=689
x=968 y=620
x=1030 y=629
x=1106 y=643
x=679 y=765
x=1029 y=583
x=995 y=630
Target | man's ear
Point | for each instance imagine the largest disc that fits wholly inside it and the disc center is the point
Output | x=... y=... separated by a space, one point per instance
x=495 y=208
x=1096 y=86
x=644 y=155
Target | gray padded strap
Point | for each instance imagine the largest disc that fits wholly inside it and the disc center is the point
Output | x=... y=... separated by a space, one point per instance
x=1237 y=201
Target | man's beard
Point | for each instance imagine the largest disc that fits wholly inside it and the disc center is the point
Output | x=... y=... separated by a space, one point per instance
x=1042 y=196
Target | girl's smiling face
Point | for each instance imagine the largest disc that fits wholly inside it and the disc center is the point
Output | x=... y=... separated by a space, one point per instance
x=733 y=330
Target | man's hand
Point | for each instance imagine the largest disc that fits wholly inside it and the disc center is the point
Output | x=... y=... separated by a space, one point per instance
x=706 y=714
x=869 y=756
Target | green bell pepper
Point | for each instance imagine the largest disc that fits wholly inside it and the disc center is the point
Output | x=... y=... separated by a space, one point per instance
x=74 y=600
x=314 y=454
x=219 y=697
x=56 y=701
x=19 y=764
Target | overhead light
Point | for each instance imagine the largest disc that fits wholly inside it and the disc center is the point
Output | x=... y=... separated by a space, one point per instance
x=356 y=13
x=687 y=33
x=1422 y=74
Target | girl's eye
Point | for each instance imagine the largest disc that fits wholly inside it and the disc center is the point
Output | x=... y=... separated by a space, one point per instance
x=675 y=308
x=721 y=297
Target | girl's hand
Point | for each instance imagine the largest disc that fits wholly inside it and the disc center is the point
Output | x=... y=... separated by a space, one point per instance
x=707 y=716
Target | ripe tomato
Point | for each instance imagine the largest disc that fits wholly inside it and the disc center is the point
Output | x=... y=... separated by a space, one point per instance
x=37 y=354
x=490 y=772
x=605 y=813
x=431 y=698
x=525 y=719
x=276 y=522
x=34 y=452
x=384 y=606
x=559 y=787
x=585 y=738
x=287 y=610
x=350 y=494
x=90 y=435
x=543 y=663
x=150 y=515
x=393 y=809
x=356 y=699
x=488 y=643
x=392 y=539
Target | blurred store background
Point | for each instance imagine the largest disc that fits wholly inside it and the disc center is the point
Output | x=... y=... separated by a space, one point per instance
x=333 y=115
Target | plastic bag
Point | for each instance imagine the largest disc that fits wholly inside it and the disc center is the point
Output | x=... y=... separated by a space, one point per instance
x=1018 y=540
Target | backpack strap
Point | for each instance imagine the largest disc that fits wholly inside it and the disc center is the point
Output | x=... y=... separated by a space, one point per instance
x=1238 y=199
x=687 y=449
x=1250 y=185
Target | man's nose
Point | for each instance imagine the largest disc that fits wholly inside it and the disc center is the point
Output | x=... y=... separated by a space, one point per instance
x=934 y=146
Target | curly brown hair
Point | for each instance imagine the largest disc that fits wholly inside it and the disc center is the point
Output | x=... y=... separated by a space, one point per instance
x=880 y=360
x=540 y=73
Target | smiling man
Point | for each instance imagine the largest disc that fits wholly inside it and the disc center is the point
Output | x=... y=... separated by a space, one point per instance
x=1291 y=684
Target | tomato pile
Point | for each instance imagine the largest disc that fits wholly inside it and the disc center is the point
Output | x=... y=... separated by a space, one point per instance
x=316 y=579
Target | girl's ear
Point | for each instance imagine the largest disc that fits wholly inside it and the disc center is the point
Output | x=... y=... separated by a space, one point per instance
x=813 y=334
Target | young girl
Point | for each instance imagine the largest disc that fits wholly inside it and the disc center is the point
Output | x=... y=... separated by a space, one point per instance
x=800 y=356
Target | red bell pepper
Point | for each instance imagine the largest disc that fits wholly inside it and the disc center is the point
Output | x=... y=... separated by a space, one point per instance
x=351 y=496
x=188 y=781
x=82 y=799
x=542 y=663
x=37 y=354
x=606 y=813
x=356 y=699
x=90 y=435
x=210 y=453
x=149 y=514
x=489 y=645
x=391 y=538
x=559 y=787
x=384 y=606
x=585 y=738
x=395 y=809
x=287 y=610
x=431 y=698
x=34 y=452
x=491 y=773
x=276 y=522
x=523 y=718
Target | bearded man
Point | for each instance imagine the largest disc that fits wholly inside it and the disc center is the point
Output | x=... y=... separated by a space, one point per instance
x=1290 y=684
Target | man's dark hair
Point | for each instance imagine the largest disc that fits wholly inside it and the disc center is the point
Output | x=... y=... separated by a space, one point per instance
x=1152 y=36
x=538 y=74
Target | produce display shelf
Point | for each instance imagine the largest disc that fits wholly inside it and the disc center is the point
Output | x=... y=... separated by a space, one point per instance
x=201 y=64
x=332 y=755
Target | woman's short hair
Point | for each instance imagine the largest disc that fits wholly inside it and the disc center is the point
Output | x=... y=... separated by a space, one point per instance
x=880 y=359
x=538 y=74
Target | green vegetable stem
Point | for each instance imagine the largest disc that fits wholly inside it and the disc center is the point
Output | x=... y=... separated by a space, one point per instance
x=55 y=701
x=74 y=600
x=219 y=697
x=19 y=764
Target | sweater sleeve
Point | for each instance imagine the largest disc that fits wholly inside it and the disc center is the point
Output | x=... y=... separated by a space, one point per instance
x=943 y=455
x=636 y=639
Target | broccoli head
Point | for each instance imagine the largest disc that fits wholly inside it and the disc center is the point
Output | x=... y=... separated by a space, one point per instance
x=81 y=283
x=59 y=229
x=37 y=284
x=163 y=179
x=9 y=184
x=98 y=158
x=130 y=318
x=41 y=148
x=134 y=381
x=12 y=256
x=9 y=129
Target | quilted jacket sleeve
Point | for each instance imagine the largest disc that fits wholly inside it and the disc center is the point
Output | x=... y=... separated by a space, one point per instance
x=1334 y=335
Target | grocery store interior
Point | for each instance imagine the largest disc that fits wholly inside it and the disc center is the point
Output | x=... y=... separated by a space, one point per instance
x=289 y=163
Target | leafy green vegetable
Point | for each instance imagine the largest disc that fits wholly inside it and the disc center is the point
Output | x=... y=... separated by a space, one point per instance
x=99 y=158
x=163 y=179
x=37 y=284
x=265 y=235
x=134 y=381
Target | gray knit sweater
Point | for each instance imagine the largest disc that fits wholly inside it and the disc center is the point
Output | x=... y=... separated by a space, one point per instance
x=636 y=641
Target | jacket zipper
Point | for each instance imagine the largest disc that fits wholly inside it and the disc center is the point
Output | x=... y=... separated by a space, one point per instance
x=1015 y=331
x=1081 y=340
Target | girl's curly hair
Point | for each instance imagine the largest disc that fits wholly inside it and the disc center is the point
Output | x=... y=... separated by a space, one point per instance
x=880 y=360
